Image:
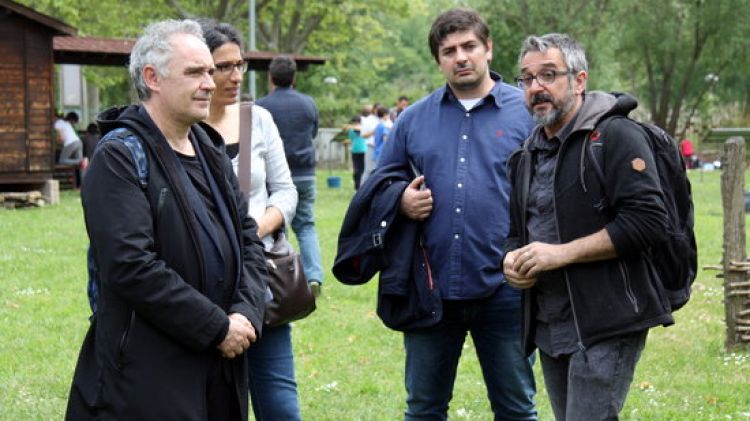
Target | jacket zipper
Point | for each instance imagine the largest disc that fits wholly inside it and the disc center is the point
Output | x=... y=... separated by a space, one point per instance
x=161 y=200
x=628 y=288
x=124 y=339
x=581 y=347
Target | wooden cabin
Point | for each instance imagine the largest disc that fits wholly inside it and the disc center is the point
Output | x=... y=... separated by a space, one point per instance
x=27 y=93
x=30 y=45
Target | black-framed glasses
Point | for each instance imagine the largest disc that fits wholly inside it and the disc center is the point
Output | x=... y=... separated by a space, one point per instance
x=543 y=78
x=228 y=67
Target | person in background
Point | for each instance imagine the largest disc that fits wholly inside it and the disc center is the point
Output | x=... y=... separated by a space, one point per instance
x=401 y=104
x=459 y=138
x=296 y=116
x=72 y=150
x=368 y=122
x=182 y=278
x=272 y=201
x=90 y=139
x=688 y=153
x=381 y=130
x=359 y=148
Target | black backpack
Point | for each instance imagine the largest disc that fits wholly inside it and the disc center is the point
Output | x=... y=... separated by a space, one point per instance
x=131 y=141
x=676 y=259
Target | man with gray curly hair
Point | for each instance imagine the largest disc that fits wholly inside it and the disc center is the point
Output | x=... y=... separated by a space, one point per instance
x=180 y=275
x=579 y=242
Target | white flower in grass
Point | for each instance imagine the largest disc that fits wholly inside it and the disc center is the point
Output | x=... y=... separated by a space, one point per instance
x=463 y=413
x=329 y=387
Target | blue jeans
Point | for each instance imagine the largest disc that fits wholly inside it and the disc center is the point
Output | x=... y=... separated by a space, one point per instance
x=432 y=356
x=273 y=390
x=303 y=225
x=593 y=384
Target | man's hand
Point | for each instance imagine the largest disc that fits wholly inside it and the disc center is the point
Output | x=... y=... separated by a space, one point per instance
x=513 y=278
x=240 y=335
x=537 y=257
x=415 y=203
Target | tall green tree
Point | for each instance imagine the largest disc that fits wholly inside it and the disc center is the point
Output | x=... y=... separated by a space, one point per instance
x=104 y=18
x=677 y=52
x=381 y=53
x=511 y=21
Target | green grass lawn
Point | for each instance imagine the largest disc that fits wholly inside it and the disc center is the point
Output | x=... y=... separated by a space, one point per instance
x=349 y=366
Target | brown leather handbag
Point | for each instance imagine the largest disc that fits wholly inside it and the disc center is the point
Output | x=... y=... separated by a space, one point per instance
x=292 y=297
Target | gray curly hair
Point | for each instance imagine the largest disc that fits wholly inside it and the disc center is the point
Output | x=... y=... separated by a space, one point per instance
x=155 y=47
x=573 y=53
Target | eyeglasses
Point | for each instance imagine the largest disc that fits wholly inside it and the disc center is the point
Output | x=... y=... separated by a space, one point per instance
x=228 y=68
x=543 y=78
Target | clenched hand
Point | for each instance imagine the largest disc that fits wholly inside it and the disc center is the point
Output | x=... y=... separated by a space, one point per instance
x=240 y=335
x=416 y=202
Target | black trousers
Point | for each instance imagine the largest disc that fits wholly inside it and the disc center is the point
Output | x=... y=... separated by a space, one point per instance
x=358 y=162
x=221 y=396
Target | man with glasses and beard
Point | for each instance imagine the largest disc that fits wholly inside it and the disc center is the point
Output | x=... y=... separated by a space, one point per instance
x=589 y=293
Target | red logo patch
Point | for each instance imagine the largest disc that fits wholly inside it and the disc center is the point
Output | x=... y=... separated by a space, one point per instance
x=499 y=133
x=595 y=136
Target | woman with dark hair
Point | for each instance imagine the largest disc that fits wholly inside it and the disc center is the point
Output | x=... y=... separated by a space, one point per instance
x=272 y=201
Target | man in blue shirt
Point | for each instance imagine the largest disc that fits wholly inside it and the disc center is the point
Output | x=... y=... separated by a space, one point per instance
x=296 y=116
x=459 y=138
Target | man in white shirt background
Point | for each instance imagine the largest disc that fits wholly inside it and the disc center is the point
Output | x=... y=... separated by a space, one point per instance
x=368 y=124
x=72 y=151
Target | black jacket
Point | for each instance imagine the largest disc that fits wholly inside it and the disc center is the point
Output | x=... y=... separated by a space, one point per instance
x=375 y=237
x=609 y=297
x=155 y=331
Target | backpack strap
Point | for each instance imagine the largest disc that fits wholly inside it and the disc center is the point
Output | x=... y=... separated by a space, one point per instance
x=594 y=148
x=246 y=147
x=126 y=137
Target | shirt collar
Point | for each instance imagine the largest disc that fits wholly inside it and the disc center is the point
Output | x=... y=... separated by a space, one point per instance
x=563 y=133
x=495 y=93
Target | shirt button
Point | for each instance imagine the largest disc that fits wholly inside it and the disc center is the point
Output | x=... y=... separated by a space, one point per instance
x=462 y=159
x=460 y=185
x=458 y=210
x=456 y=236
x=468 y=114
x=464 y=137
x=383 y=224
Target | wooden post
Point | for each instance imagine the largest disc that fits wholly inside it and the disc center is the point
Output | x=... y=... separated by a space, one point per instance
x=736 y=297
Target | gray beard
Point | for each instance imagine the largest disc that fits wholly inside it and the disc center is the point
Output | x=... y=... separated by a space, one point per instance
x=557 y=113
x=548 y=118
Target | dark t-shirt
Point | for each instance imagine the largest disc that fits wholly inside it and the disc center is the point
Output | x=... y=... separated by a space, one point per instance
x=197 y=177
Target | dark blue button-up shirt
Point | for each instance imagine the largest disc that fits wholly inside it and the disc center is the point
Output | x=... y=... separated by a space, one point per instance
x=463 y=155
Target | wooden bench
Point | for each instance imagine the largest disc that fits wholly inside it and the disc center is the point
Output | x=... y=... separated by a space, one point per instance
x=69 y=176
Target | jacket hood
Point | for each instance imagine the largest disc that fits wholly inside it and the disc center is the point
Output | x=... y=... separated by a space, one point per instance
x=598 y=104
x=111 y=118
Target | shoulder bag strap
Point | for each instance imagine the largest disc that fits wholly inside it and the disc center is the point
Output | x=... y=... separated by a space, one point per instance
x=246 y=147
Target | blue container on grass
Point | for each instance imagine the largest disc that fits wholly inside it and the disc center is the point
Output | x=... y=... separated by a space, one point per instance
x=334 y=181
